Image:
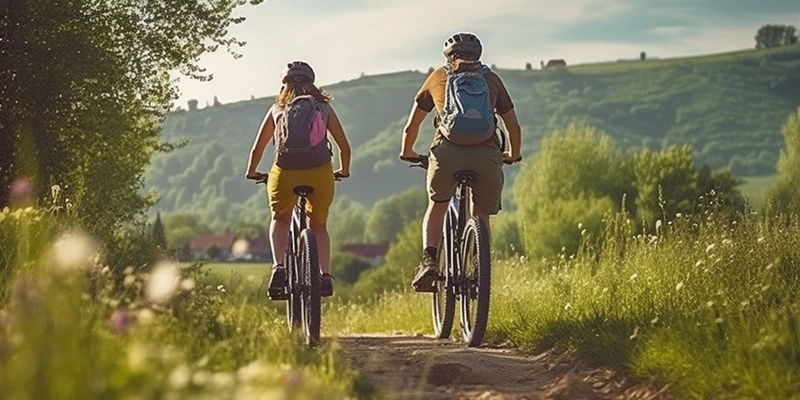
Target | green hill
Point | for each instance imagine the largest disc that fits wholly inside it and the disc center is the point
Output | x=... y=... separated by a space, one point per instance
x=730 y=107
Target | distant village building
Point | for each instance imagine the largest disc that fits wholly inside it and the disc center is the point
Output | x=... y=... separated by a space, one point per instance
x=372 y=252
x=558 y=62
x=202 y=245
x=192 y=105
x=259 y=248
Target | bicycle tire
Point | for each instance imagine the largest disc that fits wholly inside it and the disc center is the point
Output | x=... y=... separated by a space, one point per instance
x=293 y=311
x=444 y=298
x=311 y=299
x=476 y=280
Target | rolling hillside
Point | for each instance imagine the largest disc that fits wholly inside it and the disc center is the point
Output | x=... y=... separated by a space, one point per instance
x=730 y=107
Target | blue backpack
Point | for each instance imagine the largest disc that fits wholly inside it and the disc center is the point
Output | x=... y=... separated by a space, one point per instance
x=468 y=116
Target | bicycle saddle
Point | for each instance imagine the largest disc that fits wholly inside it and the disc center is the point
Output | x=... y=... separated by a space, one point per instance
x=303 y=190
x=466 y=176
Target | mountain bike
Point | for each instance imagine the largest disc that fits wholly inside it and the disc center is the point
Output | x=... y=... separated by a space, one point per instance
x=464 y=264
x=301 y=260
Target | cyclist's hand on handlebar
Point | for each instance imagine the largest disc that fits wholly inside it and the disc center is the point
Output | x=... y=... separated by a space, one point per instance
x=259 y=177
x=339 y=175
x=410 y=157
x=507 y=159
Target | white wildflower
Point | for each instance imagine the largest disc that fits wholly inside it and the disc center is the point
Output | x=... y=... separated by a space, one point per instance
x=163 y=282
x=73 y=250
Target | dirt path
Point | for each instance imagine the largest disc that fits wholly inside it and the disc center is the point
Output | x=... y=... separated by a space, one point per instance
x=417 y=367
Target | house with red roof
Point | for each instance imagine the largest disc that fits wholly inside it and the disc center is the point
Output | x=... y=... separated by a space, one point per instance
x=212 y=247
x=373 y=252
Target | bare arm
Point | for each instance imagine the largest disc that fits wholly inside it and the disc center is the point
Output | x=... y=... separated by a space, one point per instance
x=265 y=133
x=514 y=136
x=337 y=132
x=411 y=132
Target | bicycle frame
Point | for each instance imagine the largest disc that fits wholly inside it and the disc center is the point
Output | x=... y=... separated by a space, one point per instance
x=303 y=274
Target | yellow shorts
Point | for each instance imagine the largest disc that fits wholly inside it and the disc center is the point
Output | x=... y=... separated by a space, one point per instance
x=282 y=182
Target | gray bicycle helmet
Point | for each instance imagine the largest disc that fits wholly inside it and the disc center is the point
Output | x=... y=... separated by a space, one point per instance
x=464 y=44
x=297 y=68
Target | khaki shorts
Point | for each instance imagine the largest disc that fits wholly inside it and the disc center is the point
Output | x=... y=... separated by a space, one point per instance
x=281 y=184
x=487 y=160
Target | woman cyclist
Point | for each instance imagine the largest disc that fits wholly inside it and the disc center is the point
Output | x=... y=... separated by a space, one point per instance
x=298 y=80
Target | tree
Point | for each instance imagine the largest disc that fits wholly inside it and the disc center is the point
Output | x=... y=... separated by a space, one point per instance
x=576 y=178
x=84 y=86
x=159 y=236
x=775 y=35
x=784 y=196
x=389 y=216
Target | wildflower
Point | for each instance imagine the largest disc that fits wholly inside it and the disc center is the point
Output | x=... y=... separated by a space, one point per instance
x=121 y=320
x=180 y=377
x=710 y=247
x=633 y=277
x=679 y=286
x=293 y=379
x=73 y=250
x=189 y=284
x=163 y=282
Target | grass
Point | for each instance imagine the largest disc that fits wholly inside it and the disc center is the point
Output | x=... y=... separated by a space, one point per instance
x=71 y=329
x=755 y=188
x=706 y=304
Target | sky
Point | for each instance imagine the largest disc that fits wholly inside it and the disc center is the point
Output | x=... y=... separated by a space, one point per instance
x=345 y=39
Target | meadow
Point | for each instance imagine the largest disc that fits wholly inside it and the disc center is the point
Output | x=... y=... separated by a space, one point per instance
x=705 y=304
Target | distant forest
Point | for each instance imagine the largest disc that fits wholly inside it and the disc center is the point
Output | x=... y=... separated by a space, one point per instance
x=729 y=107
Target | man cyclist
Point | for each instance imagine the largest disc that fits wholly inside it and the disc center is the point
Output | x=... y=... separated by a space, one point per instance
x=298 y=80
x=462 y=51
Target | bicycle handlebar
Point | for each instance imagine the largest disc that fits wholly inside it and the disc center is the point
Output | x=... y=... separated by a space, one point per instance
x=260 y=177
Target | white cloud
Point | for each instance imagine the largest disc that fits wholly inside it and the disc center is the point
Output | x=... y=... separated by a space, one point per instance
x=344 y=40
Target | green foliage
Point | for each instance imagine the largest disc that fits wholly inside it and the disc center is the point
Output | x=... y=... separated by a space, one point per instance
x=68 y=330
x=579 y=177
x=775 y=35
x=398 y=269
x=347 y=267
x=665 y=183
x=346 y=222
x=785 y=194
x=159 y=236
x=576 y=178
x=506 y=235
x=727 y=107
x=707 y=306
x=390 y=215
x=85 y=88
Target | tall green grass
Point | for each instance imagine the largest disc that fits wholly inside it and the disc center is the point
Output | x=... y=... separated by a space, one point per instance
x=71 y=330
x=706 y=305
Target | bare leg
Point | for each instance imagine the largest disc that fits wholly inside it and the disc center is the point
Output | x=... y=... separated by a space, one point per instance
x=279 y=232
x=432 y=224
x=323 y=245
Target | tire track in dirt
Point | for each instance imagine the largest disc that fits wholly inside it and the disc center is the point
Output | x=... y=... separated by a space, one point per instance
x=418 y=367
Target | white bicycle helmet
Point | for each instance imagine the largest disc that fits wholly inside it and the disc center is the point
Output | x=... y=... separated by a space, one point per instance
x=464 y=44
x=297 y=68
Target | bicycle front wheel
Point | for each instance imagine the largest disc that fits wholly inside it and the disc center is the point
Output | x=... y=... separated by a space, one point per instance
x=476 y=281
x=311 y=301
x=444 y=298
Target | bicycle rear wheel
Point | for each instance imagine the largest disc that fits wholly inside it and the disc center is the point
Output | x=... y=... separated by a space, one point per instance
x=444 y=299
x=311 y=300
x=293 y=311
x=476 y=282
